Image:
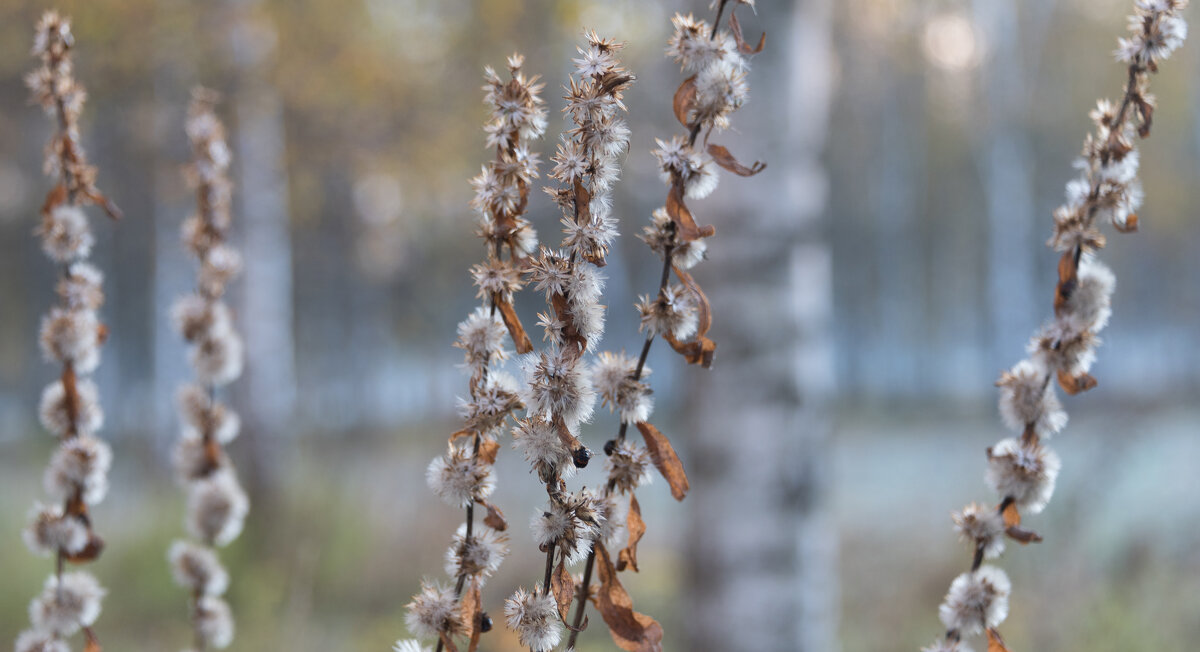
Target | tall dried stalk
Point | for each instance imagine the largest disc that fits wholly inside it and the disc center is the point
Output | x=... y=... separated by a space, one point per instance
x=558 y=393
x=71 y=336
x=1022 y=470
x=216 y=504
x=463 y=476
x=678 y=313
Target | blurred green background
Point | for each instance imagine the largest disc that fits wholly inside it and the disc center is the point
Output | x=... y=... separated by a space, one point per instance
x=945 y=133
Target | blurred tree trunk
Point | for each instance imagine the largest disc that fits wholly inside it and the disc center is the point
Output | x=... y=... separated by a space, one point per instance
x=1005 y=158
x=269 y=385
x=762 y=547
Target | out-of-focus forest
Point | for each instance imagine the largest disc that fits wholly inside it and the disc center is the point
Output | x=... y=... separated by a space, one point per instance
x=867 y=289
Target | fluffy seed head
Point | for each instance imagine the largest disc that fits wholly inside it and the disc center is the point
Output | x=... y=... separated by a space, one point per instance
x=433 y=611
x=976 y=600
x=214 y=621
x=1026 y=472
x=32 y=640
x=72 y=336
x=49 y=531
x=980 y=525
x=66 y=235
x=54 y=412
x=459 y=478
x=217 y=508
x=534 y=617
x=197 y=568
x=65 y=606
x=1027 y=398
x=478 y=555
x=81 y=465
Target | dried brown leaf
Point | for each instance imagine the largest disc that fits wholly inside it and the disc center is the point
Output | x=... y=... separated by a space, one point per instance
x=995 y=642
x=685 y=225
x=665 y=460
x=92 y=644
x=736 y=28
x=700 y=351
x=56 y=196
x=1075 y=384
x=469 y=610
x=636 y=527
x=1012 y=517
x=1067 y=280
x=447 y=642
x=488 y=449
x=630 y=630
x=90 y=552
x=563 y=588
x=1130 y=225
x=494 y=518
x=723 y=158
x=1023 y=536
x=684 y=97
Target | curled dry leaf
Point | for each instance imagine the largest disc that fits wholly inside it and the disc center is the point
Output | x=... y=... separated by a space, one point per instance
x=685 y=225
x=665 y=460
x=90 y=552
x=995 y=642
x=494 y=518
x=699 y=351
x=488 y=449
x=684 y=97
x=1129 y=226
x=627 y=558
x=563 y=588
x=56 y=196
x=1022 y=536
x=723 y=158
x=1012 y=517
x=630 y=630
x=1067 y=279
x=1075 y=384
x=469 y=610
x=513 y=323
x=743 y=46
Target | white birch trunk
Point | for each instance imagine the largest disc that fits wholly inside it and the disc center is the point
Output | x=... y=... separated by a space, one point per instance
x=761 y=571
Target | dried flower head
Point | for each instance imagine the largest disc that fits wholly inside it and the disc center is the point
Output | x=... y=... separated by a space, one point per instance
x=433 y=611
x=478 y=555
x=79 y=467
x=81 y=415
x=459 y=478
x=1028 y=400
x=197 y=568
x=534 y=617
x=50 y=531
x=67 y=603
x=214 y=621
x=1026 y=472
x=976 y=600
x=216 y=508
x=982 y=527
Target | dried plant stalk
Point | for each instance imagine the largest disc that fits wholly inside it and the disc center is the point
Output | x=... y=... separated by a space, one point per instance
x=679 y=313
x=216 y=503
x=463 y=476
x=1022 y=470
x=558 y=392
x=71 y=336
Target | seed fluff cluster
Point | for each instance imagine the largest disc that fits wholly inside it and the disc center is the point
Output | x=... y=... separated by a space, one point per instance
x=216 y=503
x=463 y=476
x=1022 y=469
x=71 y=335
x=679 y=313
